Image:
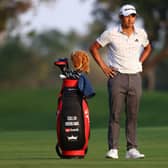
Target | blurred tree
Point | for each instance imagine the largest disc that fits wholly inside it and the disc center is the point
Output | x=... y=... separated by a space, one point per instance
x=10 y=10
x=21 y=66
x=52 y=45
x=32 y=65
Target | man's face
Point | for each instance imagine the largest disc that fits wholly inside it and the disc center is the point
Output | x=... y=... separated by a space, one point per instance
x=128 y=21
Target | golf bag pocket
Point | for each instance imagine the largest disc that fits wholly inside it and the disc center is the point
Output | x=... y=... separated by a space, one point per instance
x=71 y=123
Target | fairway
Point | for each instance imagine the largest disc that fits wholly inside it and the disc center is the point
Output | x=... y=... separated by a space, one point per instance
x=28 y=136
x=22 y=149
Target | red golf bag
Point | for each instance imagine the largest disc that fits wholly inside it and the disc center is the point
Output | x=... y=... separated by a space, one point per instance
x=72 y=118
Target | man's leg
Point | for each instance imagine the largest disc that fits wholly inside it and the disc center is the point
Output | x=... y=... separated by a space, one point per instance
x=116 y=92
x=132 y=108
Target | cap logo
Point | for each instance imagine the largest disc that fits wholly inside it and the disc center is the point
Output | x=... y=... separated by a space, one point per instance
x=129 y=9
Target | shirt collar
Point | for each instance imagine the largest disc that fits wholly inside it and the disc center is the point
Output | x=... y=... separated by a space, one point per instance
x=120 y=29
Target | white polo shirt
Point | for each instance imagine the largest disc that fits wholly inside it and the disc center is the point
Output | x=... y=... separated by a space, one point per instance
x=124 y=51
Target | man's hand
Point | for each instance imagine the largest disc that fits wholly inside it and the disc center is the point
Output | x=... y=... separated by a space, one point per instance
x=109 y=71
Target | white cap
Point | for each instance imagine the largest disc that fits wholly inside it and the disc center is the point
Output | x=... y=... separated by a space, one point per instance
x=127 y=10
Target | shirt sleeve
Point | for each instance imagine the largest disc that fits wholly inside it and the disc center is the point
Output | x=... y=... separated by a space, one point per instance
x=104 y=38
x=145 y=40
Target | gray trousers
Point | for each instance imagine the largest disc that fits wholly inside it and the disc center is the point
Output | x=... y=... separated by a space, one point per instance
x=123 y=89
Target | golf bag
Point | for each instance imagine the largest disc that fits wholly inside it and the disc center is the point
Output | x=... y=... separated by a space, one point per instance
x=72 y=118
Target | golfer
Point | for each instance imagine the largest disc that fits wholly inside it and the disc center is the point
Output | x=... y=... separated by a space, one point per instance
x=128 y=48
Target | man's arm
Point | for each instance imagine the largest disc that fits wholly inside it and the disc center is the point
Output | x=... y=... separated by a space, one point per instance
x=94 y=49
x=145 y=54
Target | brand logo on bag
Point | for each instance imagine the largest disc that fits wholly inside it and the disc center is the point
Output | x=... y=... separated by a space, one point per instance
x=71 y=130
x=72 y=138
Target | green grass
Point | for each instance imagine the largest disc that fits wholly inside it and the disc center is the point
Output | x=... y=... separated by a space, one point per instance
x=28 y=109
x=35 y=109
x=28 y=136
x=24 y=149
